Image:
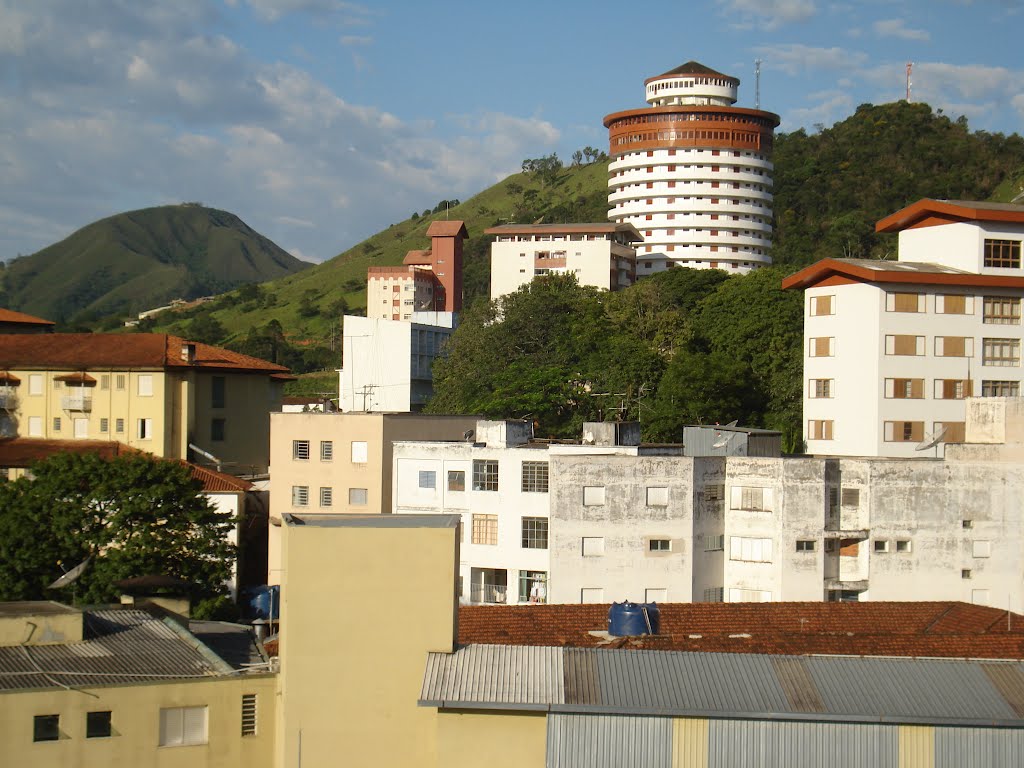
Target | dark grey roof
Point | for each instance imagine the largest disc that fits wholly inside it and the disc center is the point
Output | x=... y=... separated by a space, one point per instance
x=727 y=685
x=235 y=643
x=373 y=521
x=120 y=646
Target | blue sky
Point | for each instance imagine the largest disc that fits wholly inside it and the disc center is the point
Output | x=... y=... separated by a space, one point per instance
x=320 y=122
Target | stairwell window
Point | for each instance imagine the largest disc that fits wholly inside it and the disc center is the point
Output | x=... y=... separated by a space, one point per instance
x=1000 y=388
x=1002 y=254
x=1001 y=310
x=1000 y=352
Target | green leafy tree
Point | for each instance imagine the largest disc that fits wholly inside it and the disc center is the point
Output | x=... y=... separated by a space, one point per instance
x=207 y=329
x=133 y=516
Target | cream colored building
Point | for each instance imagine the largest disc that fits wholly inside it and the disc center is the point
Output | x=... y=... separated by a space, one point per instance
x=394 y=293
x=892 y=349
x=324 y=463
x=121 y=688
x=601 y=255
x=157 y=393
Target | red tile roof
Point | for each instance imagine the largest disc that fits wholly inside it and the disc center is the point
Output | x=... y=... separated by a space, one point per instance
x=10 y=316
x=217 y=482
x=413 y=258
x=929 y=213
x=841 y=271
x=923 y=629
x=447 y=229
x=79 y=351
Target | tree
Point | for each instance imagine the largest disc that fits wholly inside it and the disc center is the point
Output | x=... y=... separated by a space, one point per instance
x=133 y=516
x=207 y=329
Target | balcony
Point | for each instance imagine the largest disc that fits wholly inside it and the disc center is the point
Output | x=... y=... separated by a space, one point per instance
x=76 y=402
x=493 y=594
x=8 y=399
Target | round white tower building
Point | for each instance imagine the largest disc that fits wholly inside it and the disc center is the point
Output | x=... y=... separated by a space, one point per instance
x=693 y=174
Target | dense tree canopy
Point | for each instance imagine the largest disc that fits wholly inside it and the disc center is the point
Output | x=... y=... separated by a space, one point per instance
x=134 y=516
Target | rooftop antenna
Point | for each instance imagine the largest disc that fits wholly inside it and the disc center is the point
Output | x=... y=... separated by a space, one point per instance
x=757 y=83
x=910 y=69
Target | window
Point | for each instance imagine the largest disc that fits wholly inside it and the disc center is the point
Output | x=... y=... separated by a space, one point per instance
x=1004 y=352
x=659 y=545
x=806 y=545
x=119 y=426
x=218 y=430
x=535 y=533
x=326 y=497
x=535 y=477
x=818 y=429
x=750 y=550
x=657 y=496
x=120 y=382
x=35 y=383
x=954 y=305
x=300 y=495
x=593 y=546
x=904 y=431
x=1001 y=310
x=217 y=387
x=590 y=595
x=1002 y=254
x=533 y=587
x=145 y=385
x=593 y=495
x=248 y=714
x=97 y=725
x=46 y=728
x=357 y=497
x=904 y=302
x=105 y=381
x=902 y=545
x=851 y=497
x=104 y=425
x=880 y=545
x=714 y=492
x=359 y=452
x=181 y=726
x=749 y=596
x=714 y=542
x=56 y=423
x=965 y=573
x=1000 y=388
x=904 y=389
x=967 y=524
x=145 y=429
x=904 y=345
x=485 y=529
x=954 y=346
x=456 y=480
x=823 y=305
x=981 y=548
x=714 y=594
x=821 y=346
x=300 y=450
x=427 y=479
x=485 y=475
x=326 y=450
x=819 y=388
x=752 y=498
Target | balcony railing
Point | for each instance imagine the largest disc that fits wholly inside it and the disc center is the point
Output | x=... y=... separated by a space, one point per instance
x=496 y=594
x=76 y=402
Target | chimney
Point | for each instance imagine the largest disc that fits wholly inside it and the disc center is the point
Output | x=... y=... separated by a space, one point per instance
x=188 y=352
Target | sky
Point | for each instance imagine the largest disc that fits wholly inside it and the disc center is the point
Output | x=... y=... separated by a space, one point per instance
x=321 y=122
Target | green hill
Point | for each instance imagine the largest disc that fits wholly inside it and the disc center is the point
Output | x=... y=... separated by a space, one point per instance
x=142 y=259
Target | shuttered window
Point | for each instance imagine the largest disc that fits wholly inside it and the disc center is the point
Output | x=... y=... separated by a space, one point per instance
x=904 y=389
x=181 y=726
x=954 y=346
x=904 y=345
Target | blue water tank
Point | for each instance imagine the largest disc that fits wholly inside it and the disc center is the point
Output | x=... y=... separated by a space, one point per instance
x=263 y=602
x=628 y=619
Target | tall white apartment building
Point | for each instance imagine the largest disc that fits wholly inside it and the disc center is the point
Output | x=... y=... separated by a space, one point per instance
x=892 y=349
x=601 y=255
x=693 y=173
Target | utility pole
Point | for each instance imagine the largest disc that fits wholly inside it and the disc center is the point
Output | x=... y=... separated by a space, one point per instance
x=757 y=84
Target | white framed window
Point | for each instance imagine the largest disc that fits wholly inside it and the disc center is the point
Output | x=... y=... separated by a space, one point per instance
x=35 y=384
x=904 y=302
x=300 y=450
x=903 y=545
x=714 y=595
x=358 y=497
x=485 y=529
x=822 y=305
x=56 y=423
x=145 y=385
x=326 y=450
x=904 y=389
x=182 y=726
x=104 y=425
x=1001 y=352
x=819 y=388
x=144 y=429
x=880 y=545
x=593 y=495
x=954 y=304
x=806 y=545
x=593 y=546
x=751 y=498
x=326 y=496
x=535 y=477
x=821 y=346
x=360 y=452
x=714 y=542
x=657 y=496
x=750 y=550
x=904 y=345
x=659 y=545
x=300 y=495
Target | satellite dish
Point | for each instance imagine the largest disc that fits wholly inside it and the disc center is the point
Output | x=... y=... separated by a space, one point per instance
x=733 y=423
x=723 y=441
x=71 y=575
x=930 y=441
x=468 y=434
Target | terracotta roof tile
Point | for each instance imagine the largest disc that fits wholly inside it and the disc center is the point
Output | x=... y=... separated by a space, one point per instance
x=81 y=351
x=447 y=229
x=10 y=316
x=413 y=258
x=939 y=629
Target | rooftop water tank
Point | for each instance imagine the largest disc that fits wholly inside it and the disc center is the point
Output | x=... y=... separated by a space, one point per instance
x=628 y=619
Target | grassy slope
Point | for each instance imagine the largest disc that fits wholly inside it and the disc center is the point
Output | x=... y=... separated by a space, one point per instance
x=140 y=259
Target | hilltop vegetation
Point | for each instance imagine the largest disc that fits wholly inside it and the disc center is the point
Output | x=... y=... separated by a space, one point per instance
x=139 y=260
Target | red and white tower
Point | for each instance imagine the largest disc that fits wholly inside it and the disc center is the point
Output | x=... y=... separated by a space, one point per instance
x=693 y=174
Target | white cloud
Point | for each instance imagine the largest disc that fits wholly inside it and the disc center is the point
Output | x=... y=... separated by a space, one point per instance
x=828 y=107
x=795 y=59
x=770 y=14
x=898 y=28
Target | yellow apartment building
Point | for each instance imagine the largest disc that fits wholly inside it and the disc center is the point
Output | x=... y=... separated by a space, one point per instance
x=157 y=393
x=326 y=463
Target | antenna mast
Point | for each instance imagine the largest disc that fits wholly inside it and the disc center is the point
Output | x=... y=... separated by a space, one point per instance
x=910 y=69
x=757 y=84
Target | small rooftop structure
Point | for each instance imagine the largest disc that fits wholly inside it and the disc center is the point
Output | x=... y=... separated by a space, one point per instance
x=728 y=440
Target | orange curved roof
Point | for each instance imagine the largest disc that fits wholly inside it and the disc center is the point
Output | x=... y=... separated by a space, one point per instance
x=930 y=213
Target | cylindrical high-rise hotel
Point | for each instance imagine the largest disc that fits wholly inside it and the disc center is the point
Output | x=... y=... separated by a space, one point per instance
x=693 y=174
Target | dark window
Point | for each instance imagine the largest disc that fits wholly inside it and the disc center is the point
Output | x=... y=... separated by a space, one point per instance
x=485 y=475
x=535 y=533
x=660 y=545
x=46 y=728
x=1002 y=253
x=97 y=725
x=218 y=430
x=218 y=391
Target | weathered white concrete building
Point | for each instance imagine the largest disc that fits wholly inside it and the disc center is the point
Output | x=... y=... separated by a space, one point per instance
x=893 y=349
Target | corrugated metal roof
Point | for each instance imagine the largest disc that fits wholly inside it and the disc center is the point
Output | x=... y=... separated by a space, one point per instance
x=121 y=647
x=894 y=690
